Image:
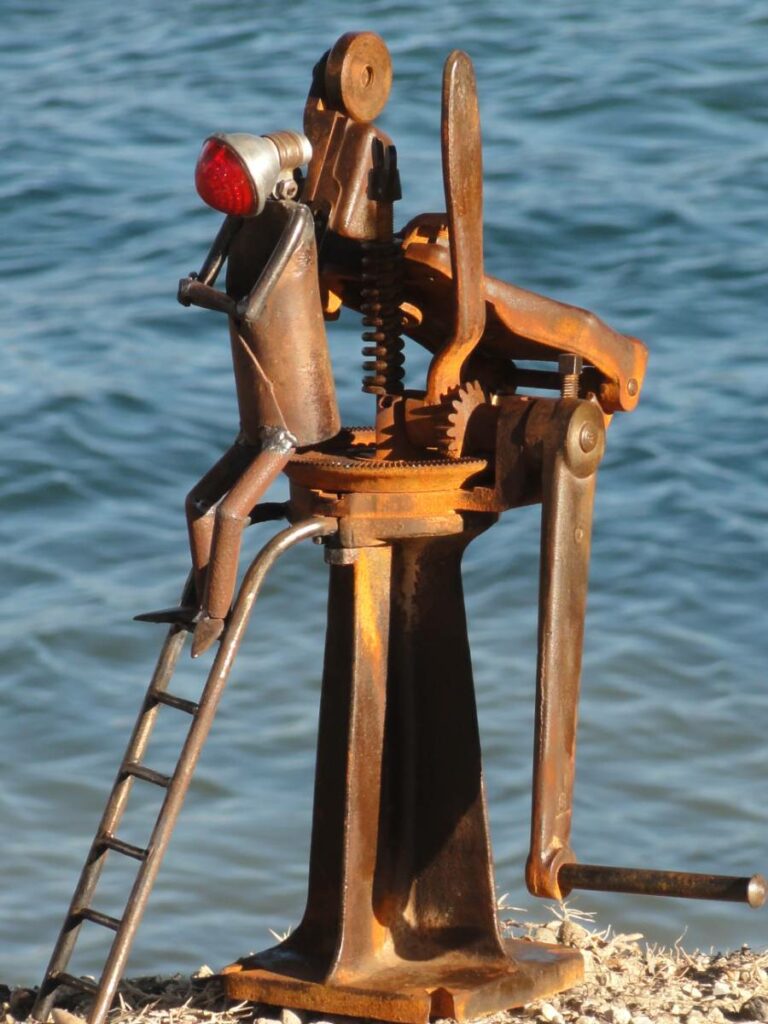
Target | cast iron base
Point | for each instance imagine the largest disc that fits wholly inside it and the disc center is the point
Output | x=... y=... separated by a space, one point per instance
x=453 y=985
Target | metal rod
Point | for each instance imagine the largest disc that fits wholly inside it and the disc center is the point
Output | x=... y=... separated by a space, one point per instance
x=194 y=292
x=647 y=882
x=198 y=732
x=214 y=261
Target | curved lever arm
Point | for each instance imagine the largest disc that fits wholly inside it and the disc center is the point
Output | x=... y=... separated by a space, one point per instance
x=463 y=181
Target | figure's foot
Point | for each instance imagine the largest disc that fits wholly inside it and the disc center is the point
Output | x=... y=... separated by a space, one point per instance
x=207 y=632
x=182 y=615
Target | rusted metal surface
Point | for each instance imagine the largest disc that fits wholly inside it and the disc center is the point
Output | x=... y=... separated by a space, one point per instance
x=463 y=185
x=569 y=438
x=520 y=324
x=285 y=388
x=400 y=922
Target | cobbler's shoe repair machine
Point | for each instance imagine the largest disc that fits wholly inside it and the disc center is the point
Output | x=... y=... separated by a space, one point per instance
x=401 y=920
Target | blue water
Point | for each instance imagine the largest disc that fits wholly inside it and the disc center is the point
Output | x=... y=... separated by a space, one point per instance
x=626 y=170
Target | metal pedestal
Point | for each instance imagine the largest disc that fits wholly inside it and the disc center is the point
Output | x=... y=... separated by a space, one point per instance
x=401 y=921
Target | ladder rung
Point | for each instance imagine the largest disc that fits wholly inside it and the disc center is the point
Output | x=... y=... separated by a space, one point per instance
x=119 y=846
x=96 y=916
x=140 y=771
x=84 y=984
x=173 y=702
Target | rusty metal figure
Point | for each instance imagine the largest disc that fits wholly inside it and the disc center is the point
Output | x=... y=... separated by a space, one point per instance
x=400 y=922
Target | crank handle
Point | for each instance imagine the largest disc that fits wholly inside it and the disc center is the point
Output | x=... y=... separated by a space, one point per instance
x=647 y=882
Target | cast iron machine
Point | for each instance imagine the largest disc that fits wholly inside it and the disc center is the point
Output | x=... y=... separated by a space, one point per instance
x=400 y=922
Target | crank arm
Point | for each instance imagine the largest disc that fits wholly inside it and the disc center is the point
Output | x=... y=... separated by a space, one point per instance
x=568 y=439
x=647 y=882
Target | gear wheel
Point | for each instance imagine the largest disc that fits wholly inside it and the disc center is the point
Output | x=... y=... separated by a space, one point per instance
x=458 y=407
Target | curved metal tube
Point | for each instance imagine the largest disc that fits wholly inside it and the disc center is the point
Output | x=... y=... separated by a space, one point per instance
x=250 y=307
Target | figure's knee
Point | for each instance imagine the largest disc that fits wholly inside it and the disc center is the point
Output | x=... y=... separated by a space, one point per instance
x=230 y=515
x=197 y=506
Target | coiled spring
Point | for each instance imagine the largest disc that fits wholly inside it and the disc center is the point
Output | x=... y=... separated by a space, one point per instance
x=382 y=276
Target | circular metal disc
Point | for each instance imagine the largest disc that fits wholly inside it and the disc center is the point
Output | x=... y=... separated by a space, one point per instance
x=358 y=75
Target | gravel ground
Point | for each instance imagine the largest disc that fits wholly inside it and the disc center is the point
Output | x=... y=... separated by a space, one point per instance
x=627 y=982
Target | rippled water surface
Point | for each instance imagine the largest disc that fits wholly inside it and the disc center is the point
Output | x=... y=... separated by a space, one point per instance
x=626 y=170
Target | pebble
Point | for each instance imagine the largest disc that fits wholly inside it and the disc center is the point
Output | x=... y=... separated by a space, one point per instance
x=721 y=988
x=620 y=1015
x=290 y=1017
x=755 y=1008
x=59 y=1016
x=548 y=1012
x=21 y=1002
x=266 y=1020
x=572 y=934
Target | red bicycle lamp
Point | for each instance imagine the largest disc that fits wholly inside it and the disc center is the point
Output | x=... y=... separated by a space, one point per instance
x=237 y=172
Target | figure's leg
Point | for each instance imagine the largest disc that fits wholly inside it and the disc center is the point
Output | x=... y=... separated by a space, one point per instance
x=231 y=517
x=200 y=507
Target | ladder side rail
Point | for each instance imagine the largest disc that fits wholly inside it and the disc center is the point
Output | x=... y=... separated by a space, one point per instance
x=198 y=733
x=111 y=817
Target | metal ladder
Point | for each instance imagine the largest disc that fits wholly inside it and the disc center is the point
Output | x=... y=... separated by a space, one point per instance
x=176 y=785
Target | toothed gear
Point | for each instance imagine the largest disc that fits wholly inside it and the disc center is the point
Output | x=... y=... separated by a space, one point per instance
x=458 y=408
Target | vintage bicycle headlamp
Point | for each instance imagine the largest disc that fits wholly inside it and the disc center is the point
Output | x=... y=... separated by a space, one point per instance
x=237 y=172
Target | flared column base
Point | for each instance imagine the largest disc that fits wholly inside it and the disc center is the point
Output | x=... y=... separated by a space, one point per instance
x=454 y=984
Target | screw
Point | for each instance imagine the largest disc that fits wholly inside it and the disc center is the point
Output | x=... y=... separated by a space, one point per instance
x=570 y=367
x=631 y=387
x=286 y=189
x=587 y=438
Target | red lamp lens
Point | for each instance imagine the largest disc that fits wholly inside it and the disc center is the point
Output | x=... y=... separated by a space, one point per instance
x=222 y=181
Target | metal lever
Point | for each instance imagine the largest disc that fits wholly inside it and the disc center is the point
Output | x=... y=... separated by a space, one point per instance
x=567 y=439
x=646 y=882
x=463 y=181
x=568 y=436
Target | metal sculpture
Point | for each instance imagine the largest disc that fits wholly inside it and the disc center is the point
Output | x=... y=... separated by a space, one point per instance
x=401 y=917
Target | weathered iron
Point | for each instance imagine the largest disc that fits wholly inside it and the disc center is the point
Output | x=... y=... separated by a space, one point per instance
x=401 y=921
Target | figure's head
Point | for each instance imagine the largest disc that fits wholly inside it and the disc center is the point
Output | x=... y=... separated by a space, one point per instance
x=237 y=172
